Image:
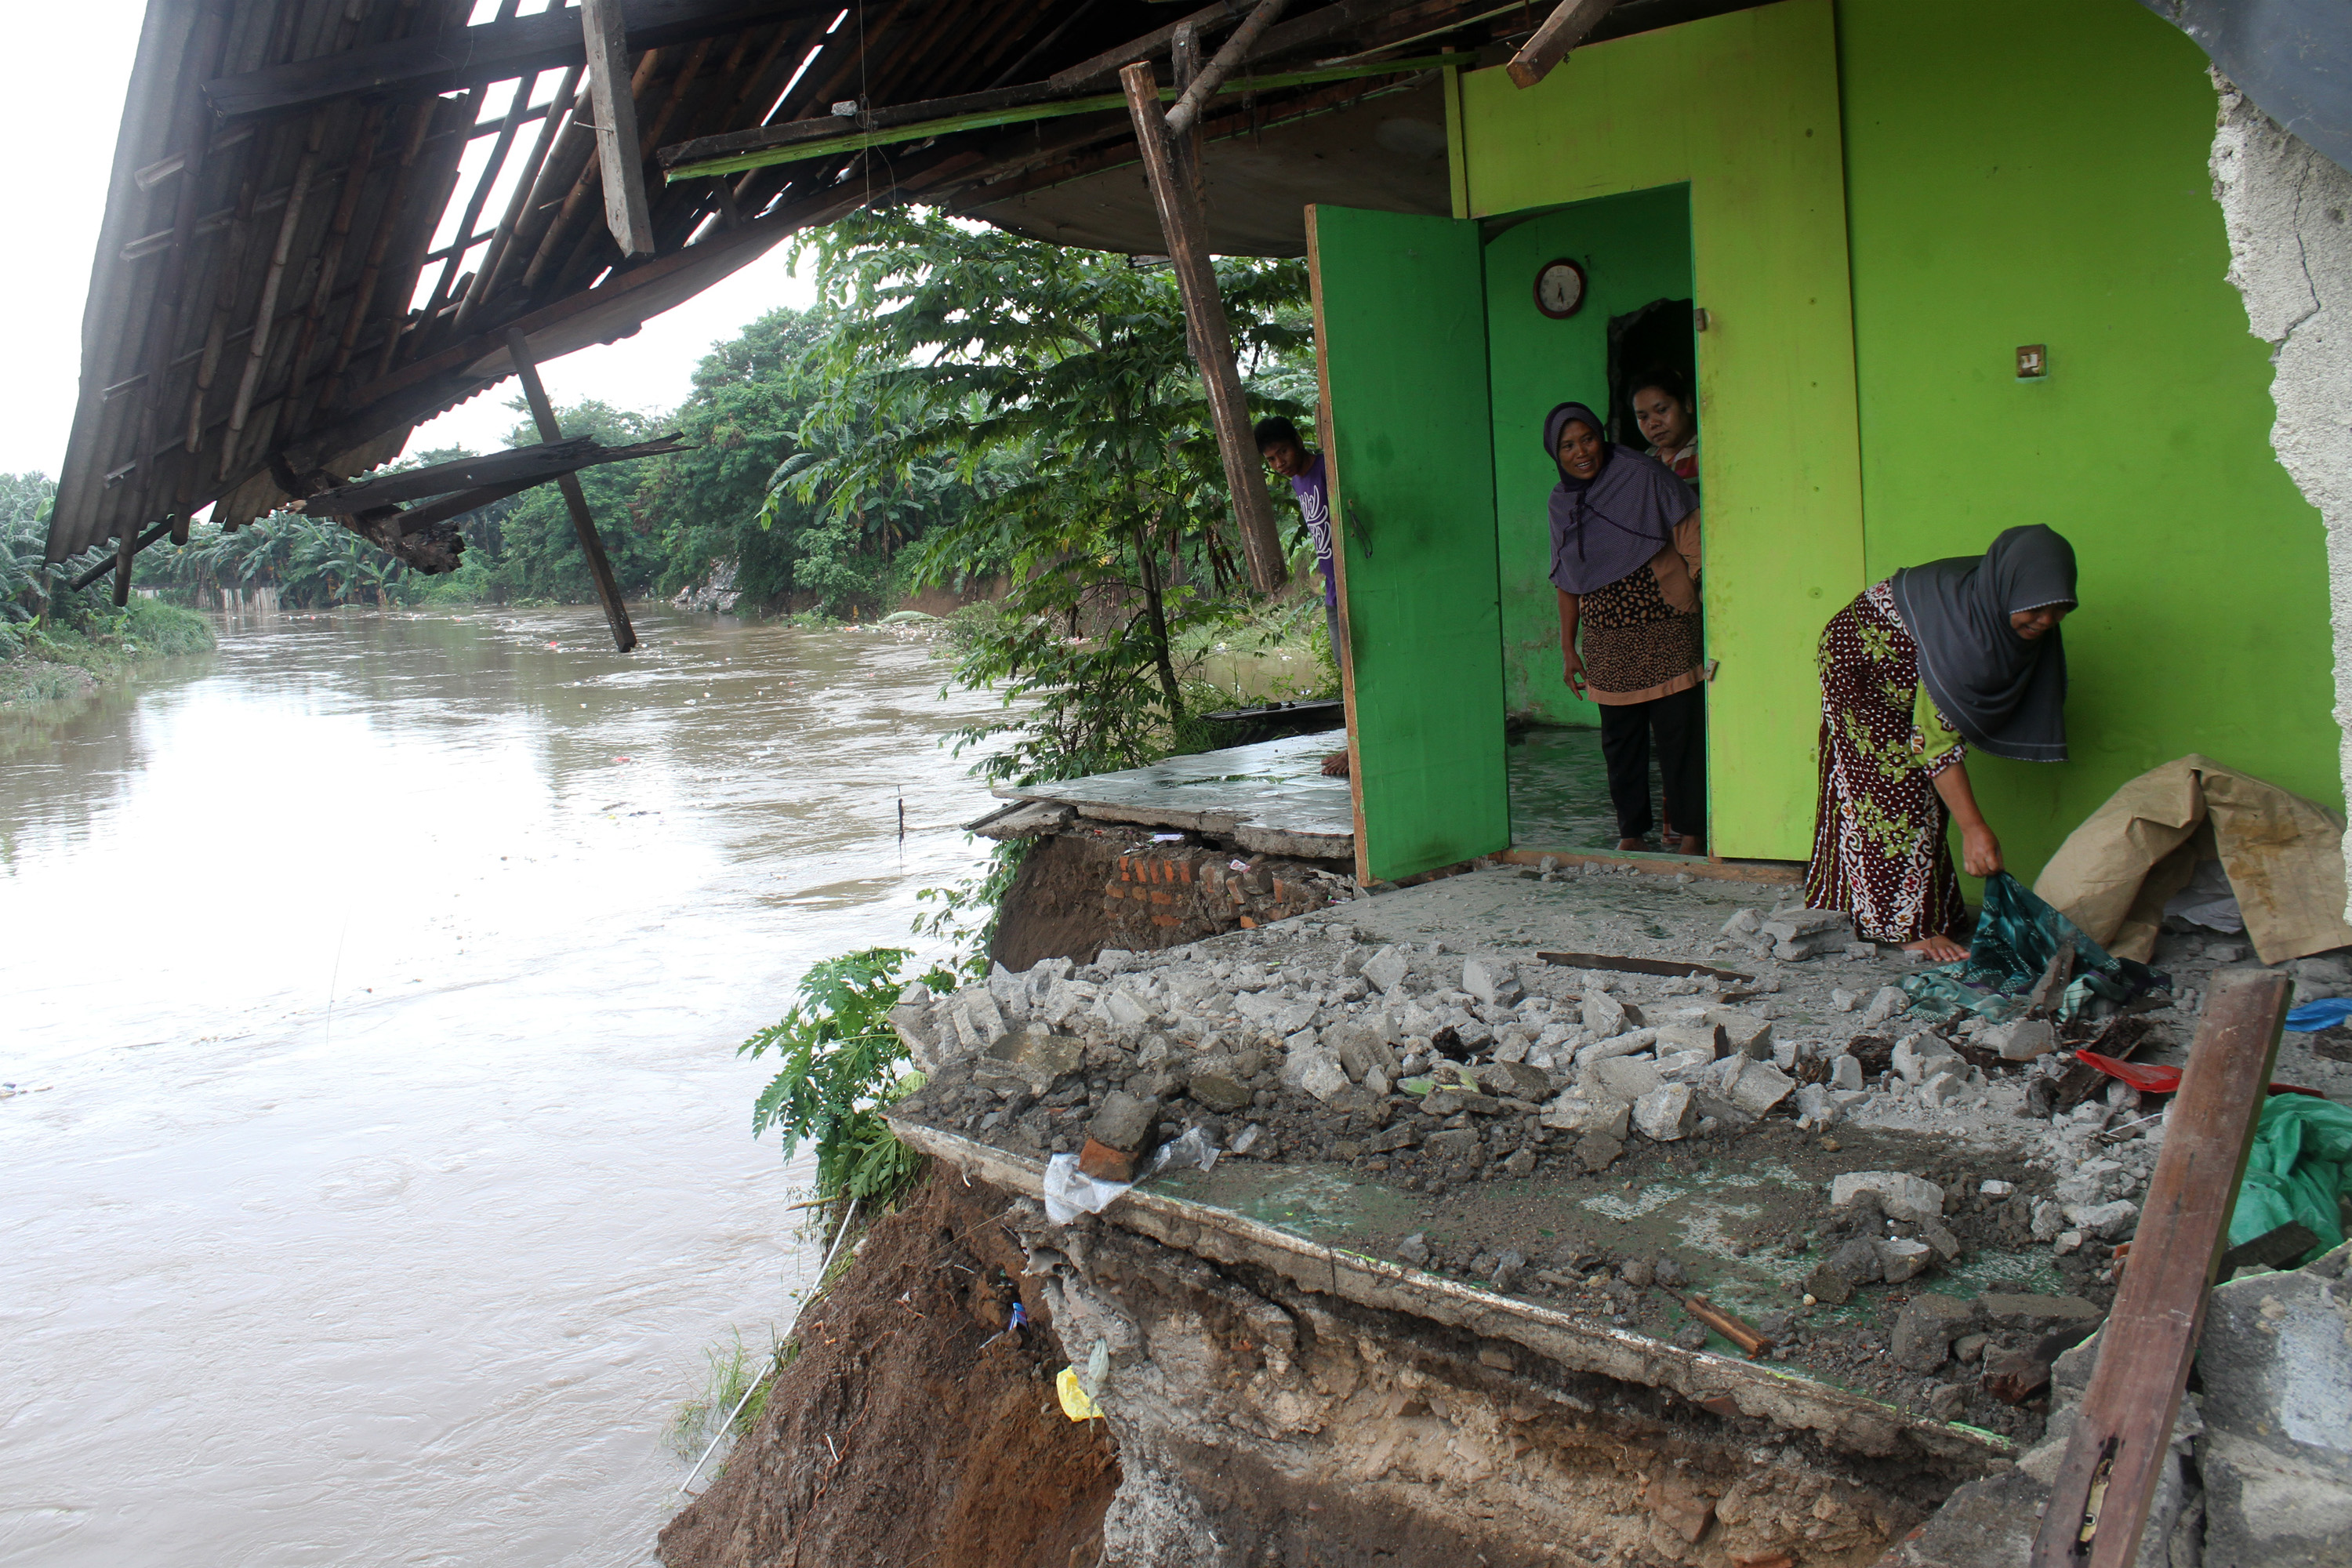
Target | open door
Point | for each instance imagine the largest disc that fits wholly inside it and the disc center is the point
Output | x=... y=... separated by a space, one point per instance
x=1401 y=345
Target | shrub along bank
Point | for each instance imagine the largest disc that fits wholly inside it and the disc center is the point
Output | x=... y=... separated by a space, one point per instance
x=56 y=641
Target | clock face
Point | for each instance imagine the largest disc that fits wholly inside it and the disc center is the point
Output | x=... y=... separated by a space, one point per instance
x=1559 y=289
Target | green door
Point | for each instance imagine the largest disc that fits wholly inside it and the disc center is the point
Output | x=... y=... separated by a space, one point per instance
x=1400 y=339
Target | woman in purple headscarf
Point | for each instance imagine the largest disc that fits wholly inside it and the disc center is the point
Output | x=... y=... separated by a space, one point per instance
x=1625 y=559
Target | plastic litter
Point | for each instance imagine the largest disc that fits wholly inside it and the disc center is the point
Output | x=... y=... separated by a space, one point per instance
x=1076 y=1405
x=2323 y=1014
x=2150 y=1079
x=1070 y=1192
x=2016 y=937
x=2300 y=1166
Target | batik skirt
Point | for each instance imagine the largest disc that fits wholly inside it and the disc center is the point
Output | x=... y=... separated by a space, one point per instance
x=1879 y=847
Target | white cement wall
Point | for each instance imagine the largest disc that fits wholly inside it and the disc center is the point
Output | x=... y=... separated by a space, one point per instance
x=2289 y=214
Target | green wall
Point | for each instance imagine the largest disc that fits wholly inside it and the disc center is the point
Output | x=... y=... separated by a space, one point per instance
x=1743 y=110
x=1399 y=321
x=2035 y=173
x=1634 y=248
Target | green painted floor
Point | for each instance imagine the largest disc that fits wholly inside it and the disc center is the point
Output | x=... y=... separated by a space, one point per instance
x=1559 y=792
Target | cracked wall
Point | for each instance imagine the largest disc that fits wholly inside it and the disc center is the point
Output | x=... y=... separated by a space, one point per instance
x=2289 y=216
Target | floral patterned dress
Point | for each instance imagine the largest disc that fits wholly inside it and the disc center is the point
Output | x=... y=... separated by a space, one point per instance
x=1879 y=848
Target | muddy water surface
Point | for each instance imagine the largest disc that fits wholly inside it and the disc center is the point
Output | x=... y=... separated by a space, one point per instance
x=383 y=1166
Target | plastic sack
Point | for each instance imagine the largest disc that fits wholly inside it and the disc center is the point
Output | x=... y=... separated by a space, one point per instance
x=1076 y=1405
x=2301 y=1162
x=2323 y=1014
x=2016 y=937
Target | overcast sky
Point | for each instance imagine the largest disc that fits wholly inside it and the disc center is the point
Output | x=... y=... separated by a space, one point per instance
x=63 y=124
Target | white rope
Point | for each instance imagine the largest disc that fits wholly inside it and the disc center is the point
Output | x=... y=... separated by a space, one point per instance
x=727 y=1426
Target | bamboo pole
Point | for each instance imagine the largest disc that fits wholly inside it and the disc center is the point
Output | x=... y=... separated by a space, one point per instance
x=1187 y=112
x=257 y=348
x=1212 y=339
x=502 y=237
x=625 y=636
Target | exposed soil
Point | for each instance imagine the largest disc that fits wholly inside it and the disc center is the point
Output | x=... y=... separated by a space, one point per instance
x=1054 y=908
x=911 y=1428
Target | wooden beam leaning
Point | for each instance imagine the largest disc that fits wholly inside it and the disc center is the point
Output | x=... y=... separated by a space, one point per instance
x=625 y=636
x=1187 y=112
x=1180 y=224
x=1568 y=25
x=2099 y=1501
x=615 y=106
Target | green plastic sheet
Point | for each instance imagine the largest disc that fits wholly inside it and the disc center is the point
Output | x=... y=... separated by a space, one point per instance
x=2017 y=935
x=2300 y=1163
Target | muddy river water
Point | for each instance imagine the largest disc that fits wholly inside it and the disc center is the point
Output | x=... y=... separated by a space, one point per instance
x=382 y=1167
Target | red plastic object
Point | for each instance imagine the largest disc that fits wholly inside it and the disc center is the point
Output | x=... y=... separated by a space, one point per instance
x=2164 y=1080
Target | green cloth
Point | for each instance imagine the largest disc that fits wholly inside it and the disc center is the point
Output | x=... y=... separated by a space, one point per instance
x=2017 y=935
x=1930 y=736
x=2300 y=1163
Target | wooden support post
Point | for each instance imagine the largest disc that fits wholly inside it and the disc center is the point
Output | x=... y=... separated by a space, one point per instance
x=1205 y=310
x=1187 y=112
x=625 y=636
x=2098 y=1504
x=1570 y=22
x=614 y=106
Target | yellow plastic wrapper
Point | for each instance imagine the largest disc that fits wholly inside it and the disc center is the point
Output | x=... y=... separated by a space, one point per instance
x=1076 y=1405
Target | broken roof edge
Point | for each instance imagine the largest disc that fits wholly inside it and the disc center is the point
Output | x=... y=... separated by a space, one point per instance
x=1843 y=1420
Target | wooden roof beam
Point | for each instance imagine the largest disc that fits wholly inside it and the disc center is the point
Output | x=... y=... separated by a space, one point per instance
x=615 y=106
x=475 y=57
x=1571 y=23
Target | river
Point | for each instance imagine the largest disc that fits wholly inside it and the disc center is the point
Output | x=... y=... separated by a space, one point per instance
x=382 y=1167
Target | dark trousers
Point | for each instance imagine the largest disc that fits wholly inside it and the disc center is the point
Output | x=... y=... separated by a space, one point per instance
x=1680 y=724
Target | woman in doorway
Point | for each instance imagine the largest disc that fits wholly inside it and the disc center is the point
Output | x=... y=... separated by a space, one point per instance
x=1919 y=668
x=1625 y=559
x=1663 y=408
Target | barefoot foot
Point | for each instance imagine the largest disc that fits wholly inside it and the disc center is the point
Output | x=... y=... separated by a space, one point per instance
x=1335 y=766
x=1632 y=846
x=1936 y=948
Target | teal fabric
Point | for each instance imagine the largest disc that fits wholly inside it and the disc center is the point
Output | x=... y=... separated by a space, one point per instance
x=2017 y=935
x=2300 y=1165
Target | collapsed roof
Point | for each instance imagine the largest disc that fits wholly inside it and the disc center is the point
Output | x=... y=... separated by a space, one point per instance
x=324 y=216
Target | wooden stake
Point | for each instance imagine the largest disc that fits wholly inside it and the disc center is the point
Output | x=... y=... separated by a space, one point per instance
x=2098 y=1504
x=1205 y=310
x=615 y=108
x=1570 y=22
x=625 y=636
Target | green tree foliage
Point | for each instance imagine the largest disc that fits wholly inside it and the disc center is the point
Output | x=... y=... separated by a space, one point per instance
x=539 y=555
x=1056 y=383
x=842 y=1061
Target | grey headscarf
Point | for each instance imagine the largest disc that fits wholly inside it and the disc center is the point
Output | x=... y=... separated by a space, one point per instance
x=1608 y=527
x=2003 y=693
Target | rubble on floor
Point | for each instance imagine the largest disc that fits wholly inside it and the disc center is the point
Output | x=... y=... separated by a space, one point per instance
x=1927 y=1215
x=2259 y=1475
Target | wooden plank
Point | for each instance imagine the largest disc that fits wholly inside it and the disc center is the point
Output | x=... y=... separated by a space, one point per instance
x=615 y=109
x=129 y=545
x=1180 y=225
x=1665 y=966
x=502 y=237
x=625 y=636
x=1142 y=48
x=1568 y=25
x=2098 y=1503
x=520 y=466
x=473 y=56
x=921 y=130
x=1187 y=112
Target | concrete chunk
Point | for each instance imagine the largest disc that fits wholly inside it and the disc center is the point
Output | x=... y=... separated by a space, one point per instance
x=1901 y=1258
x=1902 y=1196
x=1385 y=969
x=1628 y=1079
x=1889 y=1003
x=1489 y=979
x=1915 y=1057
x=1580 y=1113
x=2020 y=1041
x=1743 y=1032
x=1322 y=1076
x=1759 y=1088
x=1124 y=1122
x=1605 y=1015
x=1616 y=1045
x=1514 y=1078
x=1219 y=1089
x=1685 y=1038
x=1924 y=1332
x=1665 y=1114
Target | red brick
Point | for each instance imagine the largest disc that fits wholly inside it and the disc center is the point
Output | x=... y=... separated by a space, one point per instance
x=1166 y=920
x=1105 y=1163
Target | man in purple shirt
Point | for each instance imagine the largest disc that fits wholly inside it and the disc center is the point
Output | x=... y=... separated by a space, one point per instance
x=1285 y=454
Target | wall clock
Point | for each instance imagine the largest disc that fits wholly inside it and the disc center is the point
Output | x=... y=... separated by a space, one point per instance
x=1559 y=289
